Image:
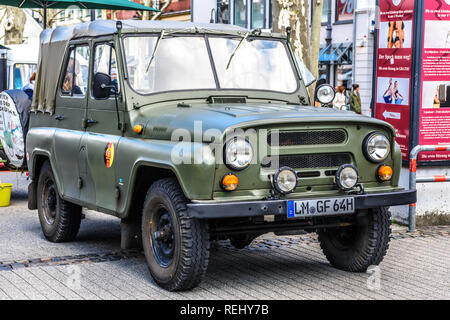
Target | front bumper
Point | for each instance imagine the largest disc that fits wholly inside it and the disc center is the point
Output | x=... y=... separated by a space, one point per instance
x=279 y=207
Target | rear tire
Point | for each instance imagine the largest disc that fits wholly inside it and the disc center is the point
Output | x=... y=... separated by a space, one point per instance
x=358 y=247
x=60 y=220
x=176 y=247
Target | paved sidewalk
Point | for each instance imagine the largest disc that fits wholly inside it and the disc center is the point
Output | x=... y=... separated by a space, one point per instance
x=93 y=267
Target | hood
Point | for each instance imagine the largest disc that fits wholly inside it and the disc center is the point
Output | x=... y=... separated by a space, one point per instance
x=165 y=120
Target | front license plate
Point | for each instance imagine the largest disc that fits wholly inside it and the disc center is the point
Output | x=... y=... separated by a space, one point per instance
x=320 y=207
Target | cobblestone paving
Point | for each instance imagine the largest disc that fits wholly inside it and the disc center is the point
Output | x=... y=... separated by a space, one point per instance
x=417 y=266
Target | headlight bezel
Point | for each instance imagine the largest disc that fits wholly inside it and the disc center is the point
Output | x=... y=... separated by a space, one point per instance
x=339 y=180
x=229 y=163
x=366 y=151
x=321 y=87
x=276 y=184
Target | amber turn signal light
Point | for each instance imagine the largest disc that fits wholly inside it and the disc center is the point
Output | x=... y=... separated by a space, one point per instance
x=229 y=182
x=138 y=128
x=385 y=173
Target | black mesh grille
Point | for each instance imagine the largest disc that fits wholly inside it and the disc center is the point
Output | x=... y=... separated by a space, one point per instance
x=311 y=161
x=307 y=138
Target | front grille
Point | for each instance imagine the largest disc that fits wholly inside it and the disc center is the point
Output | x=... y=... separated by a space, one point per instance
x=310 y=161
x=307 y=138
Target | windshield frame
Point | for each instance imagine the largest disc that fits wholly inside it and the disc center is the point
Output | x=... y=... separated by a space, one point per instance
x=206 y=36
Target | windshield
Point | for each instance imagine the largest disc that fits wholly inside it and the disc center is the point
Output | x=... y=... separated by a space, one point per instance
x=184 y=63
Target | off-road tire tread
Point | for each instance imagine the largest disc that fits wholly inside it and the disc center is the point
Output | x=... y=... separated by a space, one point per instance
x=69 y=215
x=195 y=249
x=378 y=243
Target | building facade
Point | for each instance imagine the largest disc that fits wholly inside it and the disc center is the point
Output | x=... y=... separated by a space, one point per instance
x=251 y=14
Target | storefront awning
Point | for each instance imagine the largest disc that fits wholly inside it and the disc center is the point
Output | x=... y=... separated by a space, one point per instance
x=337 y=53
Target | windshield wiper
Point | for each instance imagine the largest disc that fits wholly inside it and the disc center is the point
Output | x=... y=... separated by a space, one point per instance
x=237 y=48
x=155 y=50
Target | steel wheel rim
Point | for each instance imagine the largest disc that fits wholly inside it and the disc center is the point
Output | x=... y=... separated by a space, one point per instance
x=50 y=202
x=162 y=237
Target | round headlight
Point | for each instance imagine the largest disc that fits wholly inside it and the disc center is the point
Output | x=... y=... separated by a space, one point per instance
x=377 y=147
x=347 y=177
x=285 y=180
x=325 y=94
x=238 y=154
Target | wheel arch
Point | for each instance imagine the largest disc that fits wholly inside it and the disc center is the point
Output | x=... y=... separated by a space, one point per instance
x=143 y=177
x=37 y=160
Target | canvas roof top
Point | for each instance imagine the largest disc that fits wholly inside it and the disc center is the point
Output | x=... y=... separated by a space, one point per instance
x=106 y=27
x=54 y=43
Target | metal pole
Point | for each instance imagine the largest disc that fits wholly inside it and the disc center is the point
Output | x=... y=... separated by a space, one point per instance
x=3 y=69
x=412 y=186
x=45 y=15
x=329 y=38
x=413 y=178
x=93 y=15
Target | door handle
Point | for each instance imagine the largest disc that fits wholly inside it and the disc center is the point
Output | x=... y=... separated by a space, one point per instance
x=59 y=118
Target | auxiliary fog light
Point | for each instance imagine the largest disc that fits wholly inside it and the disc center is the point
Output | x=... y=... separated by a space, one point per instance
x=285 y=180
x=229 y=182
x=385 y=173
x=347 y=177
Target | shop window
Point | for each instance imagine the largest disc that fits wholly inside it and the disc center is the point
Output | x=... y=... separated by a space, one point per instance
x=325 y=11
x=345 y=10
x=258 y=14
x=223 y=12
x=240 y=13
x=22 y=74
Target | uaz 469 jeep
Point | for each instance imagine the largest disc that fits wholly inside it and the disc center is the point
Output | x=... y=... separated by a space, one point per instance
x=193 y=133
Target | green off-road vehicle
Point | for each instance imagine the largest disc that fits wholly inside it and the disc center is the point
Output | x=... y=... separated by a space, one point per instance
x=194 y=133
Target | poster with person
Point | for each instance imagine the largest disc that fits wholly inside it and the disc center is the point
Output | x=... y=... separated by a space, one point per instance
x=394 y=67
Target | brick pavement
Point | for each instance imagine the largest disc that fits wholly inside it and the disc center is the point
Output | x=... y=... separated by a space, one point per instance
x=416 y=267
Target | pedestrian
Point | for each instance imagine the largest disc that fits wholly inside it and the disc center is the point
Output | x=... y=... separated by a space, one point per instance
x=29 y=88
x=355 y=99
x=340 y=101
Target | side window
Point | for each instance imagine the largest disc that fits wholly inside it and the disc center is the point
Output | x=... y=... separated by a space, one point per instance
x=106 y=62
x=77 y=72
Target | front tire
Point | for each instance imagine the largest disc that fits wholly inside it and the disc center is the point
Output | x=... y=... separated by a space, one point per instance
x=176 y=247
x=60 y=220
x=358 y=247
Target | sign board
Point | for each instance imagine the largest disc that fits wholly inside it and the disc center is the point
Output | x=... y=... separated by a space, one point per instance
x=394 y=68
x=11 y=132
x=345 y=10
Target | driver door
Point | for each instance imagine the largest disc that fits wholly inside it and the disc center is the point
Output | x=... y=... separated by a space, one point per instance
x=103 y=135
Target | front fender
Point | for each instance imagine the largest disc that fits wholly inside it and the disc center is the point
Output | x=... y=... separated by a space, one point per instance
x=196 y=179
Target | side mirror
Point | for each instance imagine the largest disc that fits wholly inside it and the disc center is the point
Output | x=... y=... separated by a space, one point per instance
x=102 y=86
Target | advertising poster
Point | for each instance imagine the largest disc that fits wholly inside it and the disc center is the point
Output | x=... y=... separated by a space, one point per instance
x=435 y=92
x=394 y=67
